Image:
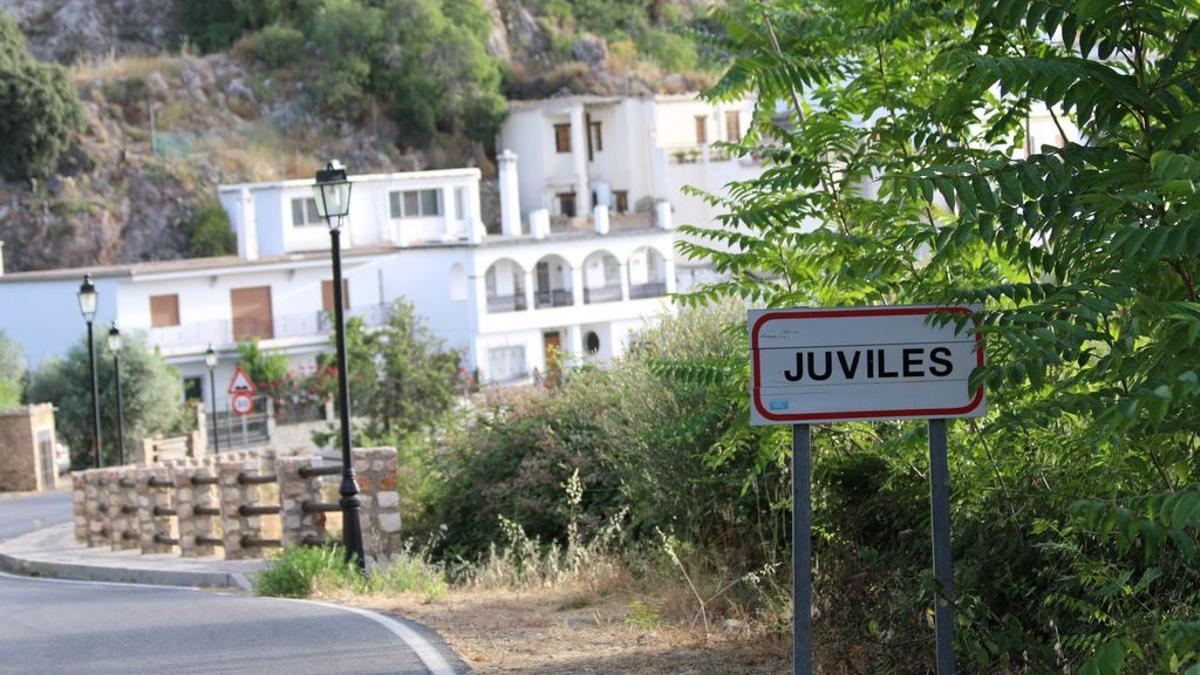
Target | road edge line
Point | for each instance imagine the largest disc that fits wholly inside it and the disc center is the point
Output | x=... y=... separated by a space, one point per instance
x=430 y=655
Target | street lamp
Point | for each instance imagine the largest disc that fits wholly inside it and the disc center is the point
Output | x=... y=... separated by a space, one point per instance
x=88 y=299
x=114 y=346
x=210 y=360
x=332 y=194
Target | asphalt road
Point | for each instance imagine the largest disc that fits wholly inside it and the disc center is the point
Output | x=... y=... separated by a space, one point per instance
x=49 y=626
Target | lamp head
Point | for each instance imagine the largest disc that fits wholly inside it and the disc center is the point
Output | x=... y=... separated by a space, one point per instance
x=114 y=339
x=87 y=298
x=210 y=358
x=331 y=192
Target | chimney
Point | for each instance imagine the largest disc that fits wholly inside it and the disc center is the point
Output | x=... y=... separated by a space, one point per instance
x=510 y=195
x=247 y=227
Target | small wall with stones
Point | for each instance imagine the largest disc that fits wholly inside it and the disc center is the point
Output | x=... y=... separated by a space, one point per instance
x=380 y=514
x=189 y=496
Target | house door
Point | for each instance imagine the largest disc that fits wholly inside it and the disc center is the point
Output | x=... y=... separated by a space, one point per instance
x=552 y=345
x=251 y=313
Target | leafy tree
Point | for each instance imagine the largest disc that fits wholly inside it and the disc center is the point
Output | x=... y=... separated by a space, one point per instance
x=268 y=370
x=402 y=378
x=903 y=174
x=210 y=233
x=151 y=391
x=12 y=371
x=39 y=109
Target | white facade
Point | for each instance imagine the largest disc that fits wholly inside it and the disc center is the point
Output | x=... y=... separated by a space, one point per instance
x=508 y=301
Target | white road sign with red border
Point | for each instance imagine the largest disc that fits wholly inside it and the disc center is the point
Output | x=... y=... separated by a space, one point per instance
x=242 y=403
x=241 y=383
x=875 y=363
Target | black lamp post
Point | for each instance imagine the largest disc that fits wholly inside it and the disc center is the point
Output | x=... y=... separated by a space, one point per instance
x=88 y=299
x=332 y=194
x=210 y=360
x=114 y=346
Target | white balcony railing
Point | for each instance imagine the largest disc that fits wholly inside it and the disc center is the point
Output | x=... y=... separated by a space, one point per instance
x=225 y=331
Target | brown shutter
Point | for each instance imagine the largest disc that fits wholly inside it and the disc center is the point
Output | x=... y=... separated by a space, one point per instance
x=701 y=129
x=733 y=126
x=164 y=310
x=327 y=294
x=251 y=313
x=562 y=137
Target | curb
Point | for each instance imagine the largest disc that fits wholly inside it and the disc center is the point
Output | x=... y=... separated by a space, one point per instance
x=121 y=575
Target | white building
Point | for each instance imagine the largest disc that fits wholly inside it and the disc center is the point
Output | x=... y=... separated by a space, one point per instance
x=631 y=155
x=510 y=301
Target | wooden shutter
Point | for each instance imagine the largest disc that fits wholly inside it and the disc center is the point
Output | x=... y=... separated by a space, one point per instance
x=164 y=310
x=327 y=294
x=251 y=313
x=733 y=126
x=562 y=137
x=701 y=129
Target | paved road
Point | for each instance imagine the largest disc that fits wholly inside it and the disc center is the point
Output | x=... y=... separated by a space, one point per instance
x=19 y=515
x=49 y=626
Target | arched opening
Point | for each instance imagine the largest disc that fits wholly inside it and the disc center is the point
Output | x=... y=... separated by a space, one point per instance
x=591 y=342
x=647 y=274
x=601 y=278
x=552 y=282
x=458 y=282
x=505 y=284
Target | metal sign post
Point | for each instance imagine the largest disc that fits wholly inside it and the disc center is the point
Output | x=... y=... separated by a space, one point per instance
x=874 y=363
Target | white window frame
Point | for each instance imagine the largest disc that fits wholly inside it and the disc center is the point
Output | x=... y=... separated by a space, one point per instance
x=309 y=210
x=397 y=198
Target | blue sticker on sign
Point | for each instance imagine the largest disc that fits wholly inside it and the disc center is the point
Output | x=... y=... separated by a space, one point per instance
x=777 y=404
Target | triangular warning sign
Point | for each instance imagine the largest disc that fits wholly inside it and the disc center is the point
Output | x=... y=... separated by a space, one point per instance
x=241 y=383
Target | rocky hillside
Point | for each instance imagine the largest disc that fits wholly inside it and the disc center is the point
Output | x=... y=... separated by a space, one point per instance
x=165 y=125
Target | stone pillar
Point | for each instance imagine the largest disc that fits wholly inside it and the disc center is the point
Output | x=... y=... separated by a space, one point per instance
x=577 y=283
x=625 y=280
x=79 y=506
x=123 y=529
x=510 y=192
x=529 y=280
x=294 y=492
x=234 y=495
x=151 y=522
x=579 y=132
x=95 y=507
x=188 y=497
x=380 y=514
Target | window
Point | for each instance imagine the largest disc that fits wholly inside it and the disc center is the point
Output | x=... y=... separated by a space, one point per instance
x=164 y=310
x=304 y=212
x=415 y=203
x=733 y=126
x=506 y=363
x=597 y=137
x=192 y=389
x=251 y=313
x=621 y=201
x=562 y=137
x=701 y=129
x=566 y=204
x=591 y=342
x=327 y=294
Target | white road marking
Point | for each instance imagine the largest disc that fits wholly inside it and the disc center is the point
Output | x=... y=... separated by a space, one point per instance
x=429 y=655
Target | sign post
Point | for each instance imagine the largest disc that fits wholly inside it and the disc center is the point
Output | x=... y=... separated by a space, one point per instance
x=862 y=364
x=242 y=390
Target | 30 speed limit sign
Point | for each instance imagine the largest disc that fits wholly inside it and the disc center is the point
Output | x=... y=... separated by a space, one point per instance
x=242 y=404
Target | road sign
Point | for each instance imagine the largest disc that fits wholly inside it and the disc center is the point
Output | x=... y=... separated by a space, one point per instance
x=241 y=383
x=876 y=363
x=242 y=403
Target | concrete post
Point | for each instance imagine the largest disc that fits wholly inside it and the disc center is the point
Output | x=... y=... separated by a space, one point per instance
x=189 y=496
x=96 y=505
x=233 y=496
x=151 y=523
x=123 y=509
x=380 y=514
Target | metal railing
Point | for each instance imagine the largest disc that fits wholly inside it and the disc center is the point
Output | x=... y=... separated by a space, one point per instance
x=610 y=293
x=506 y=303
x=557 y=297
x=224 y=331
x=651 y=290
x=239 y=431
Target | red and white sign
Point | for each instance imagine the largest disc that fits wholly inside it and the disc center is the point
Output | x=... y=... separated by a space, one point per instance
x=241 y=384
x=242 y=403
x=877 y=363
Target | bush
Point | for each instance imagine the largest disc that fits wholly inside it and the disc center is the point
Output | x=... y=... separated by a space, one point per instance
x=39 y=109
x=673 y=52
x=12 y=371
x=210 y=233
x=305 y=571
x=278 y=46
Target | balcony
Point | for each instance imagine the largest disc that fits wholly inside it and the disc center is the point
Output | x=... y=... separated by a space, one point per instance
x=553 y=298
x=609 y=293
x=655 y=289
x=506 y=303
x=199 y=334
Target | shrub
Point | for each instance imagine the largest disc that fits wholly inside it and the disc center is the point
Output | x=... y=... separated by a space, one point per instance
x=39 y=109
x=673 y=52
x=278 y=46
x=209 y=232
x=298 y=572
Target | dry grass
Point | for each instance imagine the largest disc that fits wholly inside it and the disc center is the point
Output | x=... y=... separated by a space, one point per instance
x=109 y=68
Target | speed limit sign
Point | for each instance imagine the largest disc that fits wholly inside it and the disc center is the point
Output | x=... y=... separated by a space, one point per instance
x=242 y=404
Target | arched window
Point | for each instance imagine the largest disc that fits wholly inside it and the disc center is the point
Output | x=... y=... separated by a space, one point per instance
x=591 y=342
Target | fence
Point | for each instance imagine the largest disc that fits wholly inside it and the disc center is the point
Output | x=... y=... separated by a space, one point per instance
x=194 y=506
x=242 y=431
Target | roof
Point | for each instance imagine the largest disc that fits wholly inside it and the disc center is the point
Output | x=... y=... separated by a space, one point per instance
x=397 y=176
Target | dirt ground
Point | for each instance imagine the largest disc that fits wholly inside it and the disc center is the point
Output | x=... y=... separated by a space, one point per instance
x=564 y=631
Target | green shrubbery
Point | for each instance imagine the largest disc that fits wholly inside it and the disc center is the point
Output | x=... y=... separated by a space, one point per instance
x=305 y=571
x=209 y=232
x=40 y=111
